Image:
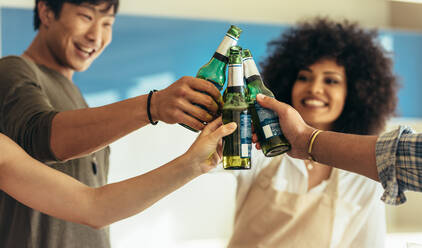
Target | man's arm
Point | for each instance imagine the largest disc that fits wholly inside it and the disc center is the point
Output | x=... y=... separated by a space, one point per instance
x=77 y=133
x=49 y=133
x=59 y=195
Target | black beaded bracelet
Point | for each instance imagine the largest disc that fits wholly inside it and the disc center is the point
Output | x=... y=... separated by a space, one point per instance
x=149 y=106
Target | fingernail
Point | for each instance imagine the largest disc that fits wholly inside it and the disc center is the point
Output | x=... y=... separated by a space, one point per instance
x=232 y=125
x=260 y=96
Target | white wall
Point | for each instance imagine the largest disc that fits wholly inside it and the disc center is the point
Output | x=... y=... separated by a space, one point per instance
x=367 y=12
x=200 y=214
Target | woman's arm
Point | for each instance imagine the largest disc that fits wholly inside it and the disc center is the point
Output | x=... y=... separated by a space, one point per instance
x=61 y=196
x=355 y=153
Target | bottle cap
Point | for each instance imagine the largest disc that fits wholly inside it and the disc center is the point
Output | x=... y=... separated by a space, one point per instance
x=234 y=31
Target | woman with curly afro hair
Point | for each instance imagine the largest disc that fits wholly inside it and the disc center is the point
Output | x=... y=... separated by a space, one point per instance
x=339 y=78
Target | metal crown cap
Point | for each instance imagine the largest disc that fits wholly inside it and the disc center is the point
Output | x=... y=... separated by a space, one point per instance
x=234 y=31
x=235 y=58
x=235 y=50
x=246 y=53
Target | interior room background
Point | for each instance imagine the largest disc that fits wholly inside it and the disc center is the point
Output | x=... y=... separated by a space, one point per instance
x=156 y=42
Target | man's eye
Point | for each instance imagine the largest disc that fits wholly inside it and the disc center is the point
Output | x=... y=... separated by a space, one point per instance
x=86 y=17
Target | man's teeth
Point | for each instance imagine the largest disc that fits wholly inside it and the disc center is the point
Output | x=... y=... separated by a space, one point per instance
x=314 y=103
x=86 y=50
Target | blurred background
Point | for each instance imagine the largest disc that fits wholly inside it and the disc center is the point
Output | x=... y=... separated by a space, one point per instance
x=156 y=42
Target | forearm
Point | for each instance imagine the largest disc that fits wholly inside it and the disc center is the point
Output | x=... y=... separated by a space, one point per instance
x=80 y=132
x=61 y=196
x=355 y=153
x=123 y=199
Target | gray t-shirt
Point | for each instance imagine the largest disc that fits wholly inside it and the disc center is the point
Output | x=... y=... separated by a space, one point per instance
x=30 y=96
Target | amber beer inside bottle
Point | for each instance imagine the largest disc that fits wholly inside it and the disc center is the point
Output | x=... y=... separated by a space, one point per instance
x=237 y=146
x=265 y=121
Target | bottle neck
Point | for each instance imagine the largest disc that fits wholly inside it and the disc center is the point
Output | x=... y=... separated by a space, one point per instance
x=250 y=68
x=253 y=78
x=222 y=50
x=235 y=75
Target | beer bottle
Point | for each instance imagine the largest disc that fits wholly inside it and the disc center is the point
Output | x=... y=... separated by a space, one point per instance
x=215 y=70
x=237 y=146
x=265 y=121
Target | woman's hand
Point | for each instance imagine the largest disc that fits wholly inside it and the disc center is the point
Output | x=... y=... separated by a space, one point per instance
x=207 y=150
x=292 y=125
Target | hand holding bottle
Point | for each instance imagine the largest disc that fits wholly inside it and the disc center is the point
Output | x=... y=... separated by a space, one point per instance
x=179 y=102
x=206 y=151
x=293 y=126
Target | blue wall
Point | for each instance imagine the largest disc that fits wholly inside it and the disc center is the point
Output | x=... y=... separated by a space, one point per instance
x=151 y=53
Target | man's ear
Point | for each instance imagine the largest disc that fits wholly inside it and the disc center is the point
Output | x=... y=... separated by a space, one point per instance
x=45 y=13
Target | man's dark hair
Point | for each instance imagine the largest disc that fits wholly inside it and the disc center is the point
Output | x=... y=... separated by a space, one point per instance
x=56 y=7
x=371 y=85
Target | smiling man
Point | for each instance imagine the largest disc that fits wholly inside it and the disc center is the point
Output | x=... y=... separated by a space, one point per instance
x=43 y=111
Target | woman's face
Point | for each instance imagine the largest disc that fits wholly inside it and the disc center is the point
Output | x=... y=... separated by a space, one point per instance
x=319 y=93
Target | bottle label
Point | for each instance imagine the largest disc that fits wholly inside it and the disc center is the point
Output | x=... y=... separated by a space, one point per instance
x=245 y=135
x=268 y=120
x=225 y=45
x=235 y=75
x=249 y=67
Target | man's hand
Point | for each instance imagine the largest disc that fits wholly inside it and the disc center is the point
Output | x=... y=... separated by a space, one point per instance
x=176 y=103
x=293 y=126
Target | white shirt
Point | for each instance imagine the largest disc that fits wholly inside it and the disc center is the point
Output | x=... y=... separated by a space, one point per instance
x=362 y=224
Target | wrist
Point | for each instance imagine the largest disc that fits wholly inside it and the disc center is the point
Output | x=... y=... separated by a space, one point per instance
x=192 y=161
x=303 y=144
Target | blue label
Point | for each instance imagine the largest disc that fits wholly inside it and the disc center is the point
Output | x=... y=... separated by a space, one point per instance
x=245 y=135
x=268 y=120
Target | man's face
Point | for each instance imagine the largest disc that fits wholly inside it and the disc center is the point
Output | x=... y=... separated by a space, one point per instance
x=80 y=34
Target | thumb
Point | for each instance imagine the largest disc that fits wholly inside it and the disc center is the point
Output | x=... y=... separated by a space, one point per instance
x=224 y=130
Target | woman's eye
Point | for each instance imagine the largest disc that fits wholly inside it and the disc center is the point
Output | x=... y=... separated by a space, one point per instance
x=302 y=78
x=330 y=81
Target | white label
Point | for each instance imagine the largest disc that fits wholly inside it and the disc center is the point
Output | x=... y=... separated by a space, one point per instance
x=225 y=45
x=267 y=131
x=235 y=75
x=249 y=67
x=245 y=151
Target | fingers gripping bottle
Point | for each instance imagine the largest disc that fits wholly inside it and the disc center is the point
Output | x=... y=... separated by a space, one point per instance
x=265 y=121
x=215 y=70
x=237 y=146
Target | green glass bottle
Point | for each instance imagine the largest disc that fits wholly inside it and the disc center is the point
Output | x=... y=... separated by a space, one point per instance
x=215 y=70
x=265 y=121
x=237 y=146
